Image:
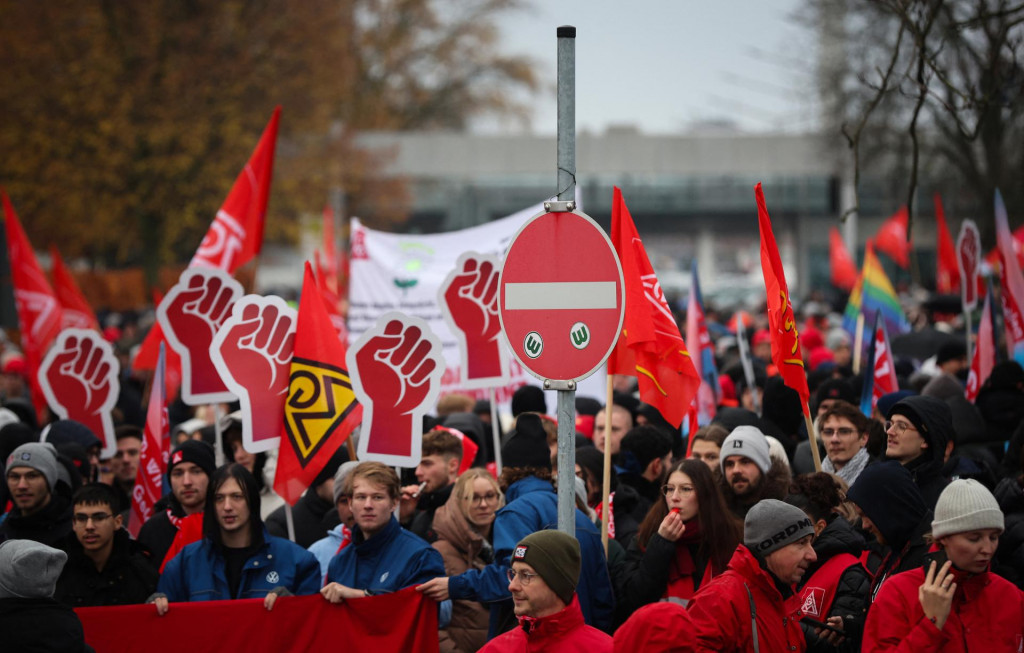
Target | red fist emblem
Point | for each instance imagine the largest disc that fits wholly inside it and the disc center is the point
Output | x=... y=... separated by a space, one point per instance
x=396 y=370
x=469 y=299
x=190 y=315
x=78 y=376
x=252 y=351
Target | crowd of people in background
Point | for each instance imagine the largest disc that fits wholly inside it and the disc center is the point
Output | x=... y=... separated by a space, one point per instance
x=910 y=538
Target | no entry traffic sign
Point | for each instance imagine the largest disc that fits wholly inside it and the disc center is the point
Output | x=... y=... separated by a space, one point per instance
x=561 y=296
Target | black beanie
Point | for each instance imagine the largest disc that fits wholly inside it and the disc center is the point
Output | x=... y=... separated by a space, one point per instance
x=887 y=494
x=528 y=399
x=527 y=444
x=641 y=445
x=193 y=451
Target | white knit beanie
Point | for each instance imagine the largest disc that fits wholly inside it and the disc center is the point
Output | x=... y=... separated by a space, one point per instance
x=750 y=442
x=966 y=505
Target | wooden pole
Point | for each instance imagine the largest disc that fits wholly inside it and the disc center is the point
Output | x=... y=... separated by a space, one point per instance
x=858 y=342
x=812 y=436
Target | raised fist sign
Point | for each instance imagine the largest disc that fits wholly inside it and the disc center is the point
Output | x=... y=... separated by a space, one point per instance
x=190 y=315
x=78 y=376
x=396 y=370
x=469 y=300
x=252 y=351
x=968 y=245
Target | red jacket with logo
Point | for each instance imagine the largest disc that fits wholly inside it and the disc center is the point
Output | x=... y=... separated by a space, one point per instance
x=721 y=610
x=562 y=631
x=987 y=615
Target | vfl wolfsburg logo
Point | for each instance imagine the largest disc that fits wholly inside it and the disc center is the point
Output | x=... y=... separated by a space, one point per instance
x=580 y=335
x=320 y=397
x=533 y=345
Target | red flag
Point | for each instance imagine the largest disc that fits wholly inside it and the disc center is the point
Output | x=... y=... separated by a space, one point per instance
x=321 y=409
x=650 y=347
x=76 y=312
x=330 y=297
x=156 y=440
x=39 y=311
x=947 y=276
x=892 y=238
x=785 y=340
x=844 y=272
x=236 y=235
x=984 y=357
x=885 y=381
x=1012 y=282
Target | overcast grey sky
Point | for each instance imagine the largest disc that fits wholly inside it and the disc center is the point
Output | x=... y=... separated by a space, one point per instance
x=664 y=64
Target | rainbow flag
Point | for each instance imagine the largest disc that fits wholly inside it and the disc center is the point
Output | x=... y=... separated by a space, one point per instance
x=874 y=293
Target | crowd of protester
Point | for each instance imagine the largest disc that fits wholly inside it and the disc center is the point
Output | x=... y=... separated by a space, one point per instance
x=910 y=538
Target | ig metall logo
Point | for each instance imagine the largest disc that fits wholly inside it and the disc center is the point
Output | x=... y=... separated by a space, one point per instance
x=533 y=345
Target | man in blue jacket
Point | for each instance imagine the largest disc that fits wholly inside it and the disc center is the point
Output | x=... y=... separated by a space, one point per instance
x=237 y=558
x=383 y=556
x=531 y=505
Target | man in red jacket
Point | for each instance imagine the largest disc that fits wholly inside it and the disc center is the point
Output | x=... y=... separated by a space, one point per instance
x=749 y=607
x=542 y=580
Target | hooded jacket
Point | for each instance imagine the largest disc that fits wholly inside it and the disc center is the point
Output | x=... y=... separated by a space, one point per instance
x=721 y=610
x=198 y=573
x=390 y=560
x=850 y=600
x=934 y=420
x=562 y=631
x=1010 y=554
x=533 y=506
x=987 y=615
x=461 y=545
x=128 y=576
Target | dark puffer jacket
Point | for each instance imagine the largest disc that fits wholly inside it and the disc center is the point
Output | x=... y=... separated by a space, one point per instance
x=128 y=577
x=851 y=597
x=1010 y=554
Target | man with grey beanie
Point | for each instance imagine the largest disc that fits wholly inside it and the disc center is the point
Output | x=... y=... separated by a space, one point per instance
x=749 y=473
x=748 y=607
x=42 y=510
x=30 y=619
x=953 y=603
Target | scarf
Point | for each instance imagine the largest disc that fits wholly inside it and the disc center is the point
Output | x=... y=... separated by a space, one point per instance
x=681 y=582
x=851 y=470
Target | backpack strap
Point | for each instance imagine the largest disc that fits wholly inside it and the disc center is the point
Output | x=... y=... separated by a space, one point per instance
x=753 y=619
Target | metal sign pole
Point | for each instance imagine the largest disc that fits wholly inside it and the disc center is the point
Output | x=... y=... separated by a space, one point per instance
x=566 y=193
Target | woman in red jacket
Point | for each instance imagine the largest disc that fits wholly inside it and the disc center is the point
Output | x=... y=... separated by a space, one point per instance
x=956 y=605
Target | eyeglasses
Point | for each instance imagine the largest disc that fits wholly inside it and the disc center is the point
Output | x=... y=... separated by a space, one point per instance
x=899 y=427
x=843 y=432
x=524 y=576
x=96 y=517
x=490 y=497
x=669 y=490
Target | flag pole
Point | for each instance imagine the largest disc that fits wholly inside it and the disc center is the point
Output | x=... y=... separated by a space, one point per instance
x=289 y=520
x=813 y=437
x=970 y=330
x=606 y=474
x=495 y=434
x=858 y=342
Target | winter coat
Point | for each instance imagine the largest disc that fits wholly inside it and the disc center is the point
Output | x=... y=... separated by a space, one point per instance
x=159 y=531
x=40 y=626
x=50 y=526
x=127 y=577
x=562 y=631
x=533 y=506
x=325 y=549
x=645 y=574
x=721 y=610
x=936 y=417
x=850 y=600
x=899 y=559
x=422 y=520
x=987 y=615
x=628 y=511
x=1010 y=554
x=460 y=545
x=774 y=485
x=390 y=560
x=311 y=516
x=198 y=574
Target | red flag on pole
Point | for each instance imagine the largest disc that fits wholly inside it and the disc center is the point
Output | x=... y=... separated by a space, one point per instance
x=884 y=367
x=984 y=357
x=650 y=346
x=947 y=274
x=892 y=238
x=236 y=234
x=156 y=440
x=1012 y=283
x=321 y=409
x=330 y=280
x=39 y=311
x=781 y=321
x=76 y=312
x=844 y=272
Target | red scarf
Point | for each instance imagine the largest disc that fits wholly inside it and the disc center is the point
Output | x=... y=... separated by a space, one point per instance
x=681 y=573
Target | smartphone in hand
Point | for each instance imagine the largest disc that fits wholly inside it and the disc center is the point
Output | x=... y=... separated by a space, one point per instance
x=822 y=625
x=938 y=557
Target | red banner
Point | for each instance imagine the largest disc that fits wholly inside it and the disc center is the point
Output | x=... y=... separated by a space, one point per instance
x=149 y=480
x=403 y=621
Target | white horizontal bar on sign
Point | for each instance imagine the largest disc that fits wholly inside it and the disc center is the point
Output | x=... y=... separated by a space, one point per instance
x=560 y=295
